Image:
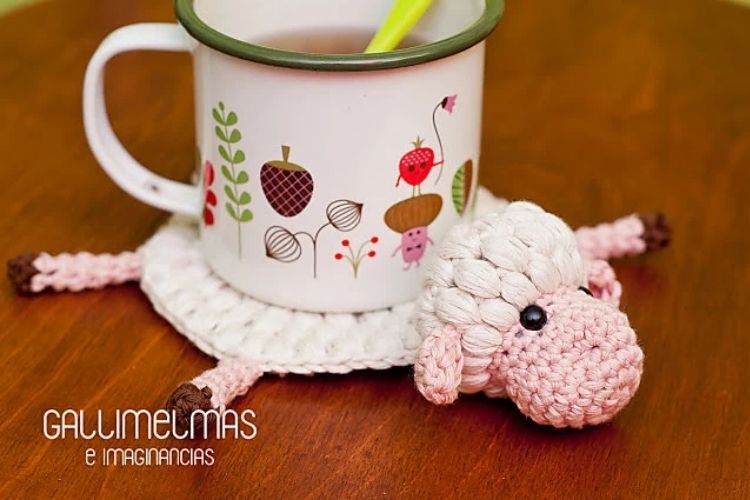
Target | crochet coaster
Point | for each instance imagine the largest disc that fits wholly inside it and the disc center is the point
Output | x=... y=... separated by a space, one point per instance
x=251 y=338
x=226 y=323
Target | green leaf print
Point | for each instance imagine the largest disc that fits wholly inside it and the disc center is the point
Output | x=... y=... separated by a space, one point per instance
x=233 y=174
x=218 y=117
x=220 y=134
x=228 y=175
x=230 y=209
x=242 y=178
x=225 y=154
x=230 y=194
x=235 y=137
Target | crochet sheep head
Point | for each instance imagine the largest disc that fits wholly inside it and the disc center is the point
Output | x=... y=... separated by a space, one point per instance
x=506 y=311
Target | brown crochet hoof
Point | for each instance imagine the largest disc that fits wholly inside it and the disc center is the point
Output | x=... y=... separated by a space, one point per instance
x=185 y=400
x=657 y=232
x=20 y=271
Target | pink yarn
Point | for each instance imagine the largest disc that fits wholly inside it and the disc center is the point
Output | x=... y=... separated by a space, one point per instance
x=583 y=368
x=616 y=239
x=84 y=271
x=439 y=365
x=231 y=378
x=603 y=282
x=580 y=370
x=506 y=310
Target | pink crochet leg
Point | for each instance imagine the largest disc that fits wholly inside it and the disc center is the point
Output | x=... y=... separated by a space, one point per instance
x=213 y=389
x=632 y=235
x=34 y=273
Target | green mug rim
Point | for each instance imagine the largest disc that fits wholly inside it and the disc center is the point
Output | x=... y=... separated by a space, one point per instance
x=471 y=36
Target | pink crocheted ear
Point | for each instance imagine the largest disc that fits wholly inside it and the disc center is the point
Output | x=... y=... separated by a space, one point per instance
x=602 y=281
x=437 y=369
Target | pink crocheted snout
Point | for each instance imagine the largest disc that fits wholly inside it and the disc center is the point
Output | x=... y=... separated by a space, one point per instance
x=581 y=368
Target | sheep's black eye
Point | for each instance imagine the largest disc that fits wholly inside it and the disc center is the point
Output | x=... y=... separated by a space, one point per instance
x=585 y=290
x=533 y=318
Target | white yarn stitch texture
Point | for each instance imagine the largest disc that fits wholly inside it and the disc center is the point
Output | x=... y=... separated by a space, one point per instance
x=580 y=369
x=225 y=323
x=514 y=255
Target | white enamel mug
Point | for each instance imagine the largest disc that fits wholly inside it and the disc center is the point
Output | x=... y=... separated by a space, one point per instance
x=325 y=179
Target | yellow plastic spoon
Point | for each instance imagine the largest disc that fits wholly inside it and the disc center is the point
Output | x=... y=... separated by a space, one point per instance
x=401 y=19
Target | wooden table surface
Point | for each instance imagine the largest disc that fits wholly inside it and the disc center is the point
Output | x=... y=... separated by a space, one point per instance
x=593 y=109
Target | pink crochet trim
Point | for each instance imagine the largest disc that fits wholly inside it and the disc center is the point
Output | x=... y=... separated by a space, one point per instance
x=84 y=271
x=231 y=378
x=617 y=239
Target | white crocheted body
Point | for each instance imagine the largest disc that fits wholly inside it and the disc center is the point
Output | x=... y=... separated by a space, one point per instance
x=228 y=324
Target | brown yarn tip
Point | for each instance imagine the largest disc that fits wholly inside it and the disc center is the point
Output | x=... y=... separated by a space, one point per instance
x=20 y=271
x=186 y=399
x=657 y=233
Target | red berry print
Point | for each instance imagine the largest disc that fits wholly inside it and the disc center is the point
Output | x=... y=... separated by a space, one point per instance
x=210 y=197
x=208 y=217
x=355 y=258
x=415 y=165
x=208 y=174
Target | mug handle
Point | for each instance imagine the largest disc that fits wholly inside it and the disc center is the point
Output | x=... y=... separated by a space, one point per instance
x=130 y=175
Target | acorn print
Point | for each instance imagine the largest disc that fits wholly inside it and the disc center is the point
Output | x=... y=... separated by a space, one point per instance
x=410 y=218
x=412 y=212
x=288 y=187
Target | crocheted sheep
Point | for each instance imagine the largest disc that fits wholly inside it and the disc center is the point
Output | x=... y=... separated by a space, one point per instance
x=509 y=310
x=503 y=312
